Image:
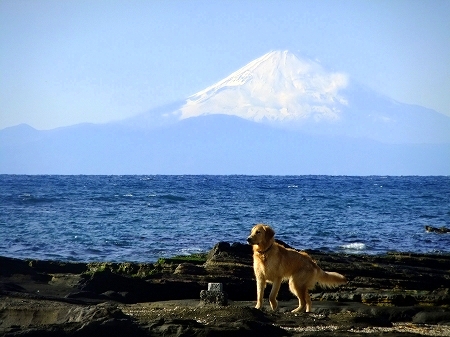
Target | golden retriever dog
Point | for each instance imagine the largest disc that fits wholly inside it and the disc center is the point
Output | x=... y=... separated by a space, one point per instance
x=274 y=263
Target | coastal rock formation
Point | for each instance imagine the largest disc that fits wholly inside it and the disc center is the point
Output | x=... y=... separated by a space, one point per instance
x=441 y=230
x=391 y=294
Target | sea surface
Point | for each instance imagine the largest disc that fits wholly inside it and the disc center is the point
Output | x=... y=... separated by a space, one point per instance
x=142 y=218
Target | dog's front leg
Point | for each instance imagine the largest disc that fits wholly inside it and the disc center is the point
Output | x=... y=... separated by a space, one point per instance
x=260 y=286
x=273 y=294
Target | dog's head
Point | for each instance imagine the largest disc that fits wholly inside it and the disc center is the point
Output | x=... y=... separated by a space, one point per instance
x=261 y=235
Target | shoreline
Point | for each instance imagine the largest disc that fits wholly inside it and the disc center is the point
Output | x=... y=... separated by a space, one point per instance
x=201 y=254
x=395 y=294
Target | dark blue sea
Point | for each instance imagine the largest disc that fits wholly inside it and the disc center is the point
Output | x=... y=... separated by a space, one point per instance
x=142 y=218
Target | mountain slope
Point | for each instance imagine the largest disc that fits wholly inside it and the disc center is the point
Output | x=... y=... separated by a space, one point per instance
x=215 y=144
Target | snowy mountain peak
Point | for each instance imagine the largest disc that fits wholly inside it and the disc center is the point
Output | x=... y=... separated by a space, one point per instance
x=277 y=86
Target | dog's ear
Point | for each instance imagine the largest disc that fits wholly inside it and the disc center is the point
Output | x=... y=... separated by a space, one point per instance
x=269 y=232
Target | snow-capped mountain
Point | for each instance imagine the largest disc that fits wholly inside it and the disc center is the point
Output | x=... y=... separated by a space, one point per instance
x=278 y=86
x=325 y=124
x=283 y=90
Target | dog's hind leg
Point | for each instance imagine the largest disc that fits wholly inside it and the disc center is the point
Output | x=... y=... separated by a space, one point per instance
x=273 y=294
x=308 y=304
x=300 y=292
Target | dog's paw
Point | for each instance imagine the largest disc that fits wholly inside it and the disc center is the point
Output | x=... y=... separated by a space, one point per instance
x=299 y=309
x=274 y=305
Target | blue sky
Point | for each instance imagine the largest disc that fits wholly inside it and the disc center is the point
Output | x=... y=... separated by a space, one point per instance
x=74 y=61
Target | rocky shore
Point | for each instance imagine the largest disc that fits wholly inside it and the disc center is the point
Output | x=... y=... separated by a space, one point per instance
x=395 y=294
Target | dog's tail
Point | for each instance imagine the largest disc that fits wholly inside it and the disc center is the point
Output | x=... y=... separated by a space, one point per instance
x=329 y=279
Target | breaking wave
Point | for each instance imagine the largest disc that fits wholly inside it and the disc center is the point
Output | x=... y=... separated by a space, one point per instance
x=354 y=246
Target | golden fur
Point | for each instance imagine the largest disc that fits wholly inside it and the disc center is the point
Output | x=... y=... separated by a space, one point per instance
x=274 y=263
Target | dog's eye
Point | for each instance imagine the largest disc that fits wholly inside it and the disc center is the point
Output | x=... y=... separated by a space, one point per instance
x=257 y=232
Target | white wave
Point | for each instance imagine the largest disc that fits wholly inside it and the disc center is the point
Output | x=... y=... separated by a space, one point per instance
x=354 y=246
x=191 y=250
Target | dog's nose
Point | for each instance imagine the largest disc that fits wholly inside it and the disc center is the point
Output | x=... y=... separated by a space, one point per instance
x=249 y=239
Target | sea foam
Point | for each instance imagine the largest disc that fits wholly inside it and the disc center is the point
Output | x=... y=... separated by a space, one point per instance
x=354 y=246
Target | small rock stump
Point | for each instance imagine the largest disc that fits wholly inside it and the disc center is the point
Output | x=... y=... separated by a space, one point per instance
x=214 y=295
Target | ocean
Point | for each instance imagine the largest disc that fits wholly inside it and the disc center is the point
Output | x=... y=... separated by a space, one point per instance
x=141 y=218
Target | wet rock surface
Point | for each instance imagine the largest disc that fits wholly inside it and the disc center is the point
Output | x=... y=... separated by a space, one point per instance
x=394 y=294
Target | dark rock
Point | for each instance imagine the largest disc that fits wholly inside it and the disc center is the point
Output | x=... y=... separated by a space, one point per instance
x=190 y=269
x=189 y=327
x=139 y=290
x=340 y=297
x=37 y=332
x=432 y=317
x=85 y=294
x=11 y=287
x=117 y=296
x=236 y=253
x=241 y=249
x=401 y=314
x=232 y=265
x=85 y=321
x=105 y=280
x=10 y=266
x=175 y=327
x=54 y=267
x=250 y=327
x=105 y=318
x=386 y=297
x=366 y=321
x=111 y=327
x=438 y=296
x=441 y=230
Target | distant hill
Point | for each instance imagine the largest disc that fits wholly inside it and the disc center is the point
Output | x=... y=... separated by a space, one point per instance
x=215 y=144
